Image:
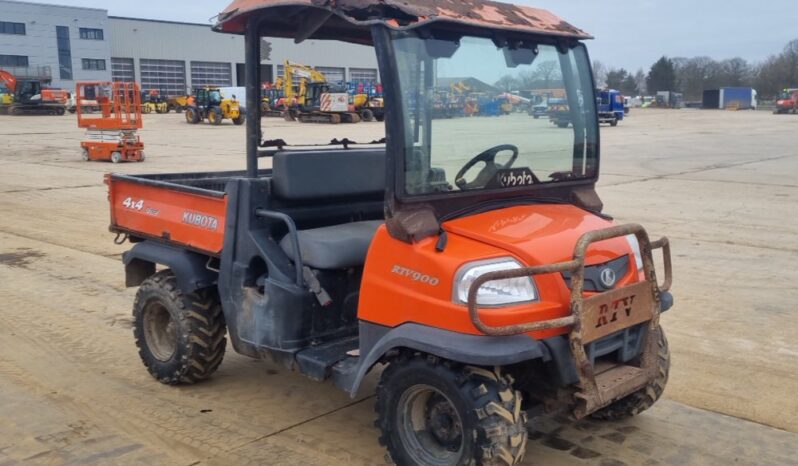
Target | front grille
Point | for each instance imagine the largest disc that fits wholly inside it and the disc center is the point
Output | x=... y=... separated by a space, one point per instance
x=619 y=266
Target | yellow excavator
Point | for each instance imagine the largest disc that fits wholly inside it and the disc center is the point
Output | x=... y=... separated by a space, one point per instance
x=315 y=100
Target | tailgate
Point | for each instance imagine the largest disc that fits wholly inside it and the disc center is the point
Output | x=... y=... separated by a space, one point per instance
x=189 y=216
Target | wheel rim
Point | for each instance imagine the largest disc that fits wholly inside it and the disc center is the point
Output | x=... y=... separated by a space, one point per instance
x=160 y=331
x=429 y=426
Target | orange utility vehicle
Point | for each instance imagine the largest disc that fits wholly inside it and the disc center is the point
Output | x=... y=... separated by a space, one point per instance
x=111 y=133
x=478 y=269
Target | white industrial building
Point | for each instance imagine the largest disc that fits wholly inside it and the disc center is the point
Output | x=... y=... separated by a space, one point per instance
x=85 y=44
x=64 y=44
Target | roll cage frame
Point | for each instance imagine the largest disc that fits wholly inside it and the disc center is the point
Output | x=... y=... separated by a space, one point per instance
x=431 y=207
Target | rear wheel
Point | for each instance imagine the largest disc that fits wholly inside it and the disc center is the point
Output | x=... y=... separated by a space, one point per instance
x=366 y=115
x=84 y=153
x=180 y=336
x=645 y=398
x=146 y=109
x=614 y=122
x=60 y=110
x=116 y=157
x=433 y=412
x=192 y=115
x=215 y=116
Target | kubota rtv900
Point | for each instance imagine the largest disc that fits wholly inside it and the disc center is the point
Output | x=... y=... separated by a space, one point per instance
x=468 y=256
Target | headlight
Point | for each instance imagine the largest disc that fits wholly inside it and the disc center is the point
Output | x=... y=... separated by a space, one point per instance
x=635 y=245
x=498 y=292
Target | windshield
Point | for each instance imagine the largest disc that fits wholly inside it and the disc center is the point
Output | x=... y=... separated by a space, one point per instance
x=469 y=119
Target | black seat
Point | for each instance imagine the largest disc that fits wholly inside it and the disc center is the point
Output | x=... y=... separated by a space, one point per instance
x=306 y=177
x=334 y=247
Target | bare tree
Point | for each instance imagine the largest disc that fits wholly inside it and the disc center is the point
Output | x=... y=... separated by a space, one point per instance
x=640 y=80
x=508 y=83
x=735 y=72
x=599 y=73
x=548 y=71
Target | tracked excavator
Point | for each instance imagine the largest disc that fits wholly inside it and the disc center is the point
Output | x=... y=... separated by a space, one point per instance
x=317 y=100
x=30 y=96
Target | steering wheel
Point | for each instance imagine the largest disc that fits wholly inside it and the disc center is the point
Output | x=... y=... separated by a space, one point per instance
x=489 y=170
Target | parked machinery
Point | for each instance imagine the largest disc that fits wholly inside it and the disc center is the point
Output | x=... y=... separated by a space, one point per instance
x=273 y=101
x=154 y=102
x=367 y=100
x=482 y=281
x=317 y=101
x=179 y=103
x=611 y=106
x=111 y=133
x=787 y=102
x=30 y=96
x=210 y=105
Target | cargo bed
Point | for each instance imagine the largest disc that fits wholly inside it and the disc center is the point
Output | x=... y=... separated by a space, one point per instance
x=184 y=208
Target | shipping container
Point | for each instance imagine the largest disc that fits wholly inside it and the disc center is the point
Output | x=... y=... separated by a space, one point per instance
x=711 y=100
x=743 y=98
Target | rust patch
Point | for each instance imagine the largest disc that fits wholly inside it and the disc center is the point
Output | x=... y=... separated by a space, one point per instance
x=19 y=259
x=410 y=13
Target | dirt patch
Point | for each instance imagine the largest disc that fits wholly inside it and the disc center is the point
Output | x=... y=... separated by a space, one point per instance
x=19 y=259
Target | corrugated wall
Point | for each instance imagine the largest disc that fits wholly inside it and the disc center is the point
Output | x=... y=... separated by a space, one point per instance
x=144 y=39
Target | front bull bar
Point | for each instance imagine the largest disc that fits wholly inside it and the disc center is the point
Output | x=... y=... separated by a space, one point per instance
x=594 y=394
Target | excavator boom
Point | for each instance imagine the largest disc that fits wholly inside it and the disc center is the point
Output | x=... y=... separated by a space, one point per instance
x=9 y=79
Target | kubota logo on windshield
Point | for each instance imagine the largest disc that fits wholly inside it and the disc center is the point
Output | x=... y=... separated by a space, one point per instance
x=200 y=220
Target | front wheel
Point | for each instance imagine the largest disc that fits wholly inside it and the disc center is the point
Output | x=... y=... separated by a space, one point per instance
x=180 y=336
x=433 y=412
x=116 y=157
x=215 y=116
x=644 y=398
x=239 y=120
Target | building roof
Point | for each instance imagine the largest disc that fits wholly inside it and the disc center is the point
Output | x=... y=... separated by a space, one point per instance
x=54 y=5
x=397 y=14
x=161 y=21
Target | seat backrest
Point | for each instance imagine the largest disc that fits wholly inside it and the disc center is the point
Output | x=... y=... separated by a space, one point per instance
x=308 y=175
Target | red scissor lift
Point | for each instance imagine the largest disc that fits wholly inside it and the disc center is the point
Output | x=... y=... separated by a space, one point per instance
x=112 y=133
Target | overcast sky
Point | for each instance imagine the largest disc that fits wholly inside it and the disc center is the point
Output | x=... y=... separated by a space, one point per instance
x=629 y=33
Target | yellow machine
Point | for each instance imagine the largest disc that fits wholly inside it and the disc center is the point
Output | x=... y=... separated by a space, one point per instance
x=315 y=100
x=210 y=105
x=296 y=95
x=369 y=108
x=179 y=103
x=154 y=102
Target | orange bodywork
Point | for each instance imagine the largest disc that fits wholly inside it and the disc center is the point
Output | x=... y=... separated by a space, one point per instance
x=193 y=220
x=114 y=128
x=533 y=235
x=131 y=150
x=119 y=102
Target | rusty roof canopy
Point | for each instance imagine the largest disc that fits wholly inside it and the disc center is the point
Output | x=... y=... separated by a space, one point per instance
x=349 y=20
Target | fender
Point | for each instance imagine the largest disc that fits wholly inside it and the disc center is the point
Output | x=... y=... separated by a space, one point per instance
x=190 y=268
x=376 y=341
